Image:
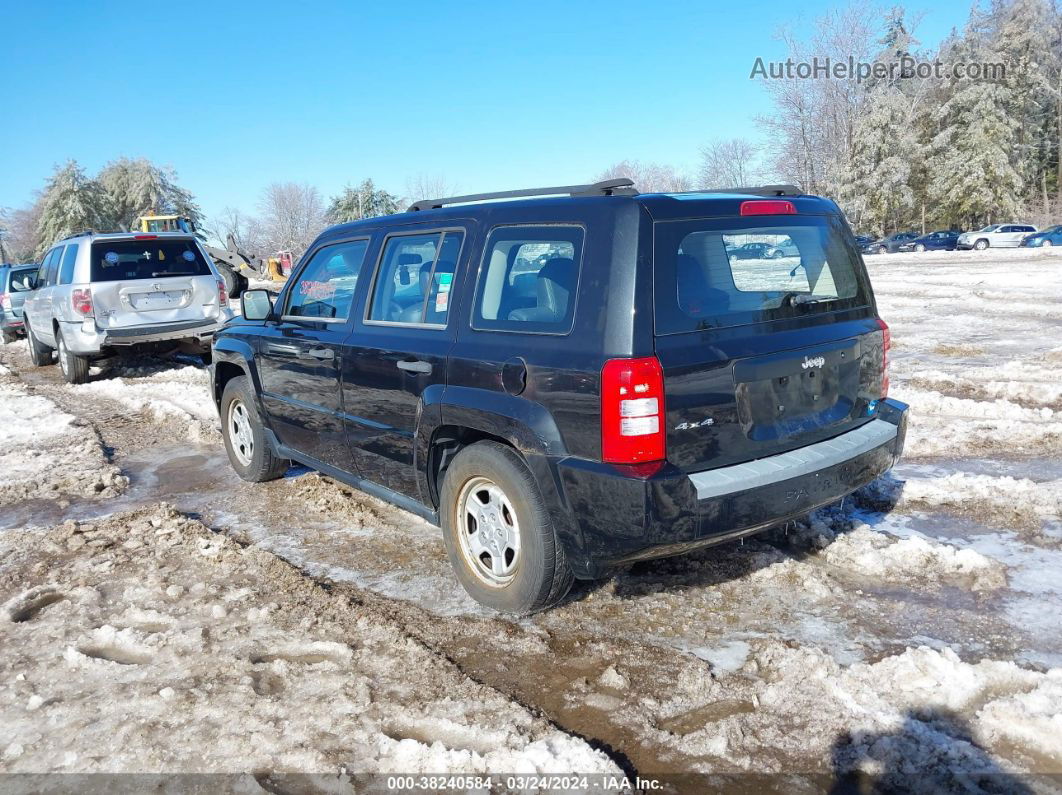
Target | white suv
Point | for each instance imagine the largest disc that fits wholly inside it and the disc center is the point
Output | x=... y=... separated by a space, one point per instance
x=101 y=295
x=995 y=235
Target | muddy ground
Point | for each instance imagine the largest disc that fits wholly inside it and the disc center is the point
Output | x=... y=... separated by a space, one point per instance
x=910 y=631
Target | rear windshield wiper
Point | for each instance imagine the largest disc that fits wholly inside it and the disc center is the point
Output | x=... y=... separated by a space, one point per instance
x=796 y=299
x=159 y=274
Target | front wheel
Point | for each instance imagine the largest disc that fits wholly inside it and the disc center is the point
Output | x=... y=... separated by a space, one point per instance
x=981 y=245
x=920 y=248
x=882 y=250
x=498 y=532
x=1047 y=244
x=244 y=435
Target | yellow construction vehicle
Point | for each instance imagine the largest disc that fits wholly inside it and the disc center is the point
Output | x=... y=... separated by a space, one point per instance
x=232 y=263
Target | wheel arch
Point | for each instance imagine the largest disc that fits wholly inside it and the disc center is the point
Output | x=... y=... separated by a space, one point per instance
x=459 y=417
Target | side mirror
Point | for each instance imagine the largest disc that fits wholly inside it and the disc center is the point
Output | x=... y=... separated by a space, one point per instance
x=256 y=305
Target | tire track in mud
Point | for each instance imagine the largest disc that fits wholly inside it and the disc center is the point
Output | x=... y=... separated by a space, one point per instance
x=122 y=434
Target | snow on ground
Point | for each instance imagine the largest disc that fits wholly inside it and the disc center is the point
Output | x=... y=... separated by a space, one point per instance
x=180 y=394
x=910 y=634
x=152 y=644
x=46 y=453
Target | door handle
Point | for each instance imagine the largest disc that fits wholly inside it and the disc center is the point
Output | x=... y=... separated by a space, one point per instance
x=321 y=354
x=415 y=367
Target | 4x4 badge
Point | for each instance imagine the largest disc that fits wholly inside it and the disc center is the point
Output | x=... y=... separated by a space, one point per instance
x=687 y=426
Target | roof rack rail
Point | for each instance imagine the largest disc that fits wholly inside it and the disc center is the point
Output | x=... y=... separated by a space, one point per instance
x=608 y=187
x=81 y=233
x=760 y=190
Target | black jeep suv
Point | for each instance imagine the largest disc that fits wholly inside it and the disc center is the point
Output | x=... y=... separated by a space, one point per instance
x=570 y=384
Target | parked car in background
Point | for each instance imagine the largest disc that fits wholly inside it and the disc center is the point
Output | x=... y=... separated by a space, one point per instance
x=786 y=248
x=995 y=236
x=748 y=251
x=1045 y=238
x=631 y=392
x=944 y=240
x=864 y=240
x=101 y=295
x=890 y=244
x=16 y=281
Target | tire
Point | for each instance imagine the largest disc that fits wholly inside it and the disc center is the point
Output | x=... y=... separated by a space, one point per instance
x=920 y=248
x=981 y=244
x=523 y=578
x=244 y=435
x=1046 y=244
x=40 y=354
x=232 y=282
x=9 y=337
x=882 y=250
x=75 y=368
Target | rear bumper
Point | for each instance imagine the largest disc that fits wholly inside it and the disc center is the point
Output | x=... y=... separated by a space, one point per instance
x=624 y=517
x=86 y=338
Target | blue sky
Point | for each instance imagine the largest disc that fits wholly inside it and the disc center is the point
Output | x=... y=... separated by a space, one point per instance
x=490 y=95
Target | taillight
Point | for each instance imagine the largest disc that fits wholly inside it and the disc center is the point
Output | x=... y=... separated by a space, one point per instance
x=767 y=207
x=223 y=294
x=5 y=301
x=81 y=300
x=632 y=411
x=886 y=343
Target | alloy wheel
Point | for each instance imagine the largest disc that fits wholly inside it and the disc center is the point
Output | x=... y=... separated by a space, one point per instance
x=489 y=532
x=241 y=436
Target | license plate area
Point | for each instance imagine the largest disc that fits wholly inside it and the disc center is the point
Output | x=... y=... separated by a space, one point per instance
x=786 y=394
x=164 y=299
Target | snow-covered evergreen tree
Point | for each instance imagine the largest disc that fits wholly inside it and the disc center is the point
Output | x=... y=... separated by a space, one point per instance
x=139 y=187
x=71 y=203
x=875 y=188
x=363 y=201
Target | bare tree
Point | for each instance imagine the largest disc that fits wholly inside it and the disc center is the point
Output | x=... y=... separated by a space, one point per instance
x=648 y=177
x=20 y=228
x=429 y=186
x=811 y=125
x=292 y=215
x=245 y=230
x=730 y=163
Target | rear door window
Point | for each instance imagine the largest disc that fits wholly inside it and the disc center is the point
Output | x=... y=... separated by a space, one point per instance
x=21 y=280
x=528 y=279
x=66 y=267
x=809 y=268
x=117 y=260
x=415 y=277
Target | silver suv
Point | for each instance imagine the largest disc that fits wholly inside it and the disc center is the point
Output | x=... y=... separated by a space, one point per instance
x=97 y=296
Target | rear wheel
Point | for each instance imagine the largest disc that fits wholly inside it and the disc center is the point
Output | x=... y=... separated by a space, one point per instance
x=981 y=244
x=40 y=354
x=244 y=435
x=75 y=368
x=498 y=532
x=9 y=337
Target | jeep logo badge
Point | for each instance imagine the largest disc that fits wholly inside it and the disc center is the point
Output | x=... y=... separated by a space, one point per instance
x=156 y=287
x=818 y=361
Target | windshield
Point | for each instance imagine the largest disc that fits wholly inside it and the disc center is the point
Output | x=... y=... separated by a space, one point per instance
x=809 y=267
x=21 y=280
x=114 y=260
x=989 y=228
